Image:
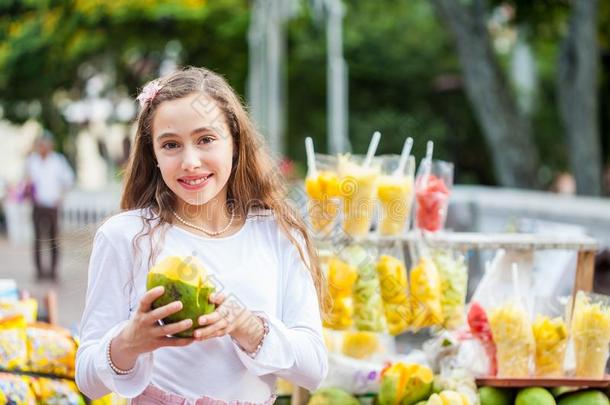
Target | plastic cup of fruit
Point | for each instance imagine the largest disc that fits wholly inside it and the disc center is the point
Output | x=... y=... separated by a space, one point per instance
x=358 y=189
x=590 y=333
x=395 y=195
x=551 y=336
x=513 y=335
x=323 y=202
x=432 y=191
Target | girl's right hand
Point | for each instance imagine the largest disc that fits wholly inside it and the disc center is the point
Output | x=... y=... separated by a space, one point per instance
x=144 y=334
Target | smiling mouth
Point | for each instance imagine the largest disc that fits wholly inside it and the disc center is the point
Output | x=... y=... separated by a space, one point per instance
x=195 y=182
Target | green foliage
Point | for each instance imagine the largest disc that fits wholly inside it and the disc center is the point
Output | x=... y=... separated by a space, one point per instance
x=404 y=76
x=403 y=81
x=43 y=44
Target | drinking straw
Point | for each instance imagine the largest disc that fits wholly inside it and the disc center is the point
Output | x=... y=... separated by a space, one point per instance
x=372 y=149
x=427 y=163
x=311 y=158
x=515 y=279
x=406 y=151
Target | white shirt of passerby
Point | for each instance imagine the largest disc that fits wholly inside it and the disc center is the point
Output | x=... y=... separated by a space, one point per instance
x=51 y=177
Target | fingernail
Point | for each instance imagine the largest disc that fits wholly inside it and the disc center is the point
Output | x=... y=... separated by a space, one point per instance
x=197 y=334
x=202 y=320
x=188 y=322
x=178 y=305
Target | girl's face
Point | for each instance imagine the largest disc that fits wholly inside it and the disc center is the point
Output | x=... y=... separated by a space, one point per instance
x=193 y=147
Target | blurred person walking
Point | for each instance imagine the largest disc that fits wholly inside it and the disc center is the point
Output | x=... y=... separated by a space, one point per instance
x=48 y=176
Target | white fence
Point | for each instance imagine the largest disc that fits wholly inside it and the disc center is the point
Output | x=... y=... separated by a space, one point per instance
x=473 y=208
x=79 y=209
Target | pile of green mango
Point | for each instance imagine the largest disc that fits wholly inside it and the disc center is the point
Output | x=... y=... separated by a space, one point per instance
x=541 y=396
x=332 y=396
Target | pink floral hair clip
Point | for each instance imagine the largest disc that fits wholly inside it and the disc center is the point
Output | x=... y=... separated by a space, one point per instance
x=149 y=92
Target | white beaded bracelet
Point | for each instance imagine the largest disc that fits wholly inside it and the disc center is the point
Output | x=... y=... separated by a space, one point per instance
x=260 y=344
x=111 y=364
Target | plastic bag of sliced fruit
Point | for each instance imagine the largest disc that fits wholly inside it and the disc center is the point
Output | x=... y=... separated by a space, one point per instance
x=589 y=322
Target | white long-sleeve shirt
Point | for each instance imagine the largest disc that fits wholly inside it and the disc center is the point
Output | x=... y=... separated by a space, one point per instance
x=51 y=177
x=257 y=265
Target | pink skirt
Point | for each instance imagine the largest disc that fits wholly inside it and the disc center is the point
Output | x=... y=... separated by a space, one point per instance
x=156 y=396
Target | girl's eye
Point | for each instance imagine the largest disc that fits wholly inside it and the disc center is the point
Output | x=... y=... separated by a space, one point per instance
x=206 y=139
x=169 y=145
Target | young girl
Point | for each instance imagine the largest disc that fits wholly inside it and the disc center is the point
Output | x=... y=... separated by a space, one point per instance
x=199 y=184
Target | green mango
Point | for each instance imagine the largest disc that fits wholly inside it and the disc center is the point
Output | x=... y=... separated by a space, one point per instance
x=534 y=396
x=389 y=390
x=416 y=392
x=559 y=391
x=405 y=384
x=592 y=397
x=332 y=396
x=495 y=396
x=185 y=281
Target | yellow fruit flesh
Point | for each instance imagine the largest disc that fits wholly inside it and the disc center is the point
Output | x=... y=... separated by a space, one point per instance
x=357 y=187
x=551 y=336
x=512 y=333
x=413 y=380
x=182 y=269
x=341 y=278
x=590 y=331
x=395 y=197
x=185 y=269
x=425 y=295
x=324 y=185
x=323 y=205
x=451 y=398
x=393 y=281
x=360 y=345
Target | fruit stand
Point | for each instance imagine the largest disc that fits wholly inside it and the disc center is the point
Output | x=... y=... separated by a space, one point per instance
x=585 y=246
x=392 y=269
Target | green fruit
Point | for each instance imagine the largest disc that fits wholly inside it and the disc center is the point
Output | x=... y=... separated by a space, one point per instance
x=185 y=281
x=592 y=397
x=495 y=396
x=332 y=396
x=416 y=392
x=389 y=390
x=534 y=396
x=405 y=383
x=559 y=391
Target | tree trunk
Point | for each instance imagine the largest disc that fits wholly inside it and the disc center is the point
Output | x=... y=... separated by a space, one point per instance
x=577 y=94
x=507 y=130
x=52 y=120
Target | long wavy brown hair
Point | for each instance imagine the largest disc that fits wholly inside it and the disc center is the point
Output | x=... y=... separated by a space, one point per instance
x=254 y=183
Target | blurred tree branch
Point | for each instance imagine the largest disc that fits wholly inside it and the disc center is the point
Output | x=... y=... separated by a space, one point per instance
x=507 y=130
x=577 y=84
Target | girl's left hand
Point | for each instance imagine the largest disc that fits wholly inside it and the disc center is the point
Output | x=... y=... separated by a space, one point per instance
x=230 y=318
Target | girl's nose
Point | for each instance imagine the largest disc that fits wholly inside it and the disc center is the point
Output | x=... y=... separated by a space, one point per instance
x=190 y=159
